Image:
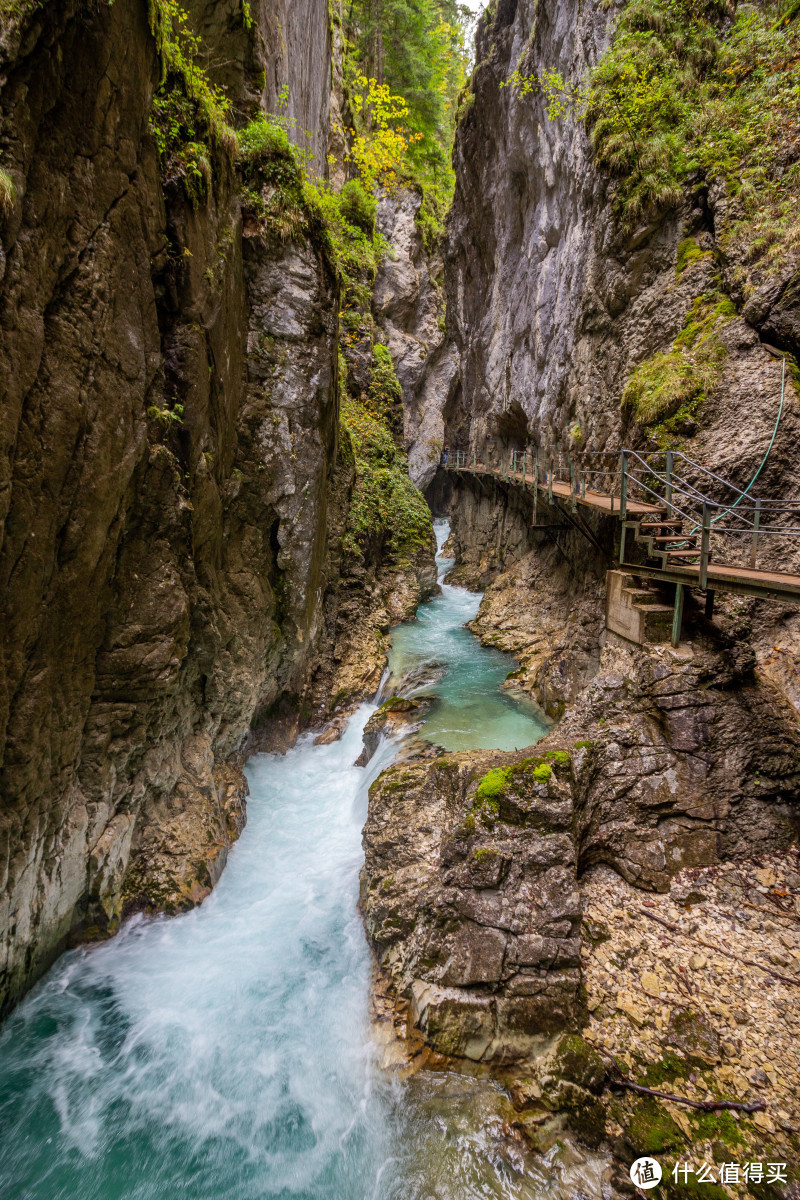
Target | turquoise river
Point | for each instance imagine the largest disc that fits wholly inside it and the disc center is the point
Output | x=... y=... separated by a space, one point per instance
x=227 y=1054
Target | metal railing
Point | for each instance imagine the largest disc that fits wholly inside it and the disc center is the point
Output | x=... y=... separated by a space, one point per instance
x=678 y=488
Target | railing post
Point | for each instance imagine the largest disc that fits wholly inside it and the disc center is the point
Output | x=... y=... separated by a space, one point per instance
x=623 y=486
x=536 y=488
x=705 y=539
x=754 y=546
x=524 y=468
x=550 y=482
x=677 y=615
x=572 y=501
x=474 y=460
x=668 y=479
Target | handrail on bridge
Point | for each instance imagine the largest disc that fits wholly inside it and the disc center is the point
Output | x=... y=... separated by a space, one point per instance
x=711 y=505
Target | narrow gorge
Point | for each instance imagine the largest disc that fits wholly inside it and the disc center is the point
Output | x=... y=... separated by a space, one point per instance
x=399 y=599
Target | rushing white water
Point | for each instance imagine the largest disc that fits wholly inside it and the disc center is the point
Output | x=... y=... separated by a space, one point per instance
x=226 y=1054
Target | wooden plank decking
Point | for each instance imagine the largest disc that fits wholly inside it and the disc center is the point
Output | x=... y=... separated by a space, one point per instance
x=601 y=501
x=724 y=577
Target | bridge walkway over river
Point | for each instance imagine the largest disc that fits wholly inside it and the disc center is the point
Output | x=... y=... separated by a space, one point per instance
x=680 y=523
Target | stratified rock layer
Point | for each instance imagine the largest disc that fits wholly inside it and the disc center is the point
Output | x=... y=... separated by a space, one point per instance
x=470 y=898
x=666 y=761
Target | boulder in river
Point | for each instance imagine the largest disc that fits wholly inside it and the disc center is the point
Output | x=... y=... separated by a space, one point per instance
x=392 y=713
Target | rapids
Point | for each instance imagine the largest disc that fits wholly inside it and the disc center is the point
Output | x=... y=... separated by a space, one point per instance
x=227 y=1054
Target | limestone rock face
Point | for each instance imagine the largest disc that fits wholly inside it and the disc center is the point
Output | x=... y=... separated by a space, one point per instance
x=683 y=761
x=278 y=60
x=169 y=492
x=408 y=305
x=551 y=305
x=470 y=898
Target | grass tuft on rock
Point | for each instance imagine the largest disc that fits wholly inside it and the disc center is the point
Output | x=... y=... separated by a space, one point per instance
x=8 y=193
x=681 y=378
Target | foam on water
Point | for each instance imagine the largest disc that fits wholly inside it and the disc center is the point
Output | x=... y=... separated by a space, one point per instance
x=226 y=1053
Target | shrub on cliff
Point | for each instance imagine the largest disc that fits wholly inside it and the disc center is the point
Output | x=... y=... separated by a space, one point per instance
x=676 y=382
x=385 y=508
x=189 y=115
x=358 y=207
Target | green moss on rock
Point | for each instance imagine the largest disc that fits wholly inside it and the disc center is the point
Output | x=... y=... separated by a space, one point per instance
x=684 y=376
x=491 y=788
x=577 y=1062
x=688 y=252
x=651 y=1129
x=398 y=704
x=666 y=1070
x=385 y=508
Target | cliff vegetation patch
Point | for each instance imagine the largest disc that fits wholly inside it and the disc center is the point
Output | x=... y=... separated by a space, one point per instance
x=8 y=193
x=694 y=93
x=385 y=506
x=670 y=387
x=698 y=90
x=189 y=117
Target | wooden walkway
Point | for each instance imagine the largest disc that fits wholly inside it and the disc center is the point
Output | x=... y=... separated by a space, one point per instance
x=600 y=501
x=723 y=577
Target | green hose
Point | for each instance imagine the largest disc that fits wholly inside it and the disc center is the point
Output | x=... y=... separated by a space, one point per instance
x=763 y=461
x=769 y=448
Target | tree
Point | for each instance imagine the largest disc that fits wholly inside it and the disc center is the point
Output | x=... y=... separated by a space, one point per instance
x=416 y=48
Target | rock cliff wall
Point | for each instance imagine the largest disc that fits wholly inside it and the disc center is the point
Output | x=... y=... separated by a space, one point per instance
x=553 y=302
x=679 y=760
x=408 y=305
x=170 y=491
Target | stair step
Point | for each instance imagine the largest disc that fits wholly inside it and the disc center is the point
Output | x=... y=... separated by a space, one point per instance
x=679 y=553
x=650 y=522
x=677 y=537
x=637 y=594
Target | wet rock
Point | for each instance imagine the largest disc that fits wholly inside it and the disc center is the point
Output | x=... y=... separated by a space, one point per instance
x=469 y=886
x=417 y=678
x=566 y=1079
x=394 y=713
